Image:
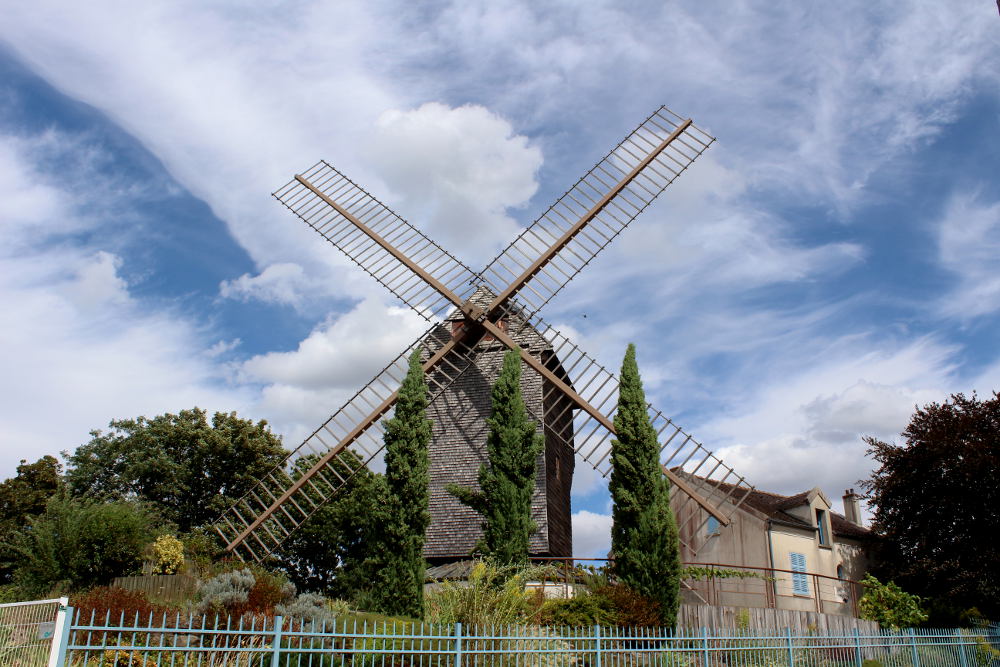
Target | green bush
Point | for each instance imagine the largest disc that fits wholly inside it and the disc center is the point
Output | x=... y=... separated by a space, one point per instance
x=889 y=605
x=583 y=610
x=79 y=543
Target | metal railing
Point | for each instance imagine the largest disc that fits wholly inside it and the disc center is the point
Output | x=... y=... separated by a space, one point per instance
x=281 y=642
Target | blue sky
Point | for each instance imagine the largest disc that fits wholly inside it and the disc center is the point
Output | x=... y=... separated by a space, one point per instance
x=832 y=261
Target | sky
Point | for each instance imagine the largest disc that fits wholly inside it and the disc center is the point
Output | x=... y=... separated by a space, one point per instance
x=831 y=262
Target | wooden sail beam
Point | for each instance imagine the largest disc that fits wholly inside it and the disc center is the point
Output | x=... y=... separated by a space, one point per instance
x=561 y=242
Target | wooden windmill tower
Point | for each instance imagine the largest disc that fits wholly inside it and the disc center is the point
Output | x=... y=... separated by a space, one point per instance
x=475 y=317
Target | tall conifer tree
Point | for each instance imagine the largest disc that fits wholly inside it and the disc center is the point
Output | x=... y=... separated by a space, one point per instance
x=396 y=555
x=644 y=532
x=507 y=480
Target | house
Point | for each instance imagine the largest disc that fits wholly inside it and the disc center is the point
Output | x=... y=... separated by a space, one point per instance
x=804 y=555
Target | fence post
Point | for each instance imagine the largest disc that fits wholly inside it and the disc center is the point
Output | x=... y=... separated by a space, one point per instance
x=276 y=646
x=60 y=636
x=704 y=645
x=857 y=647
x=961 y=647
x=791 y=653
x=913 y=648
x=458 y=645
x=597 y=646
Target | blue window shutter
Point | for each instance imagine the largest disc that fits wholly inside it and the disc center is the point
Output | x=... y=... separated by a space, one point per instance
x=712 y=527
x=800 y=581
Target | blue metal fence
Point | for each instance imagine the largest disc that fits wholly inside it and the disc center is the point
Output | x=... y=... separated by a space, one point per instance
x=278 y=642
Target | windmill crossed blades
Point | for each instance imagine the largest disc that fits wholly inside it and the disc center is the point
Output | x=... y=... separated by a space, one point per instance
x=472 y=313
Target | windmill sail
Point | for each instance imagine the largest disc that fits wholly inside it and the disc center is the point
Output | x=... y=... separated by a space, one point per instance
x=387 y=247
x=553 y=249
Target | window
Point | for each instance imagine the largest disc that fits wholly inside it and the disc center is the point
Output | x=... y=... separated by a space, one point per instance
x=840 y=571
x=824 y=538
x=800 y=581
x=712 y=527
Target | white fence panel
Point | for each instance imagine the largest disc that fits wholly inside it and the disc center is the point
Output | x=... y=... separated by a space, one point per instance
x=27 y=630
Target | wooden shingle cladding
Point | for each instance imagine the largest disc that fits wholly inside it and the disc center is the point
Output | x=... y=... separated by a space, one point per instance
x=458 y=448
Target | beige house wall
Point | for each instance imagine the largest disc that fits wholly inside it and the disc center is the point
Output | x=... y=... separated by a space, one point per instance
x=750 y=542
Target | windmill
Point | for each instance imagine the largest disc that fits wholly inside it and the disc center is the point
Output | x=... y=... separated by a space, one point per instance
x=473 y=317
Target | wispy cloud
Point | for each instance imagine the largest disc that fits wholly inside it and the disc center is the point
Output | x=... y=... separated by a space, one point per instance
x=969 y=247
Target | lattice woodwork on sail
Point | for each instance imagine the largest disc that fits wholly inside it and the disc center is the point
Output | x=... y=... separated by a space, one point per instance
x=286 y=497
x=326 y=200
x=608 y=197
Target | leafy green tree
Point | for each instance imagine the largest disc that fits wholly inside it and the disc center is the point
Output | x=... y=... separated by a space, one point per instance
x=889 y=605
x=507 y=480
x=935 y=500
x=79 y=542
x=398 y=572
x=327 y=554
x=188 y=469
x=644 y=538
x=23 y=497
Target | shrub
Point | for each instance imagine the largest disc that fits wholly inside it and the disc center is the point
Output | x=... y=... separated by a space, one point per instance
x=582 y=610
x=78 y=543
x=117 y=603
x=311 y=609
x=632 y=608
x=245 y=591
x=889 y=605
x=121 y=658
x=168 y=554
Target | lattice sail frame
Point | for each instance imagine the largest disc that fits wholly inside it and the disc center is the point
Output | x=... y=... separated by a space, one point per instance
x=432 y=281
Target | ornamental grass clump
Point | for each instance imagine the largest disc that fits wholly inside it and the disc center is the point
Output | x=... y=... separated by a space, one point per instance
x=493 y=595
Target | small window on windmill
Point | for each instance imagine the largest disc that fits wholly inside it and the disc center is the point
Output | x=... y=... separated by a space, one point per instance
x=712 y=526
x=456 y=328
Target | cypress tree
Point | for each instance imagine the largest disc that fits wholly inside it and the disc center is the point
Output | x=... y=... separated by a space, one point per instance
x=507 y=480
x=644 y=532
x=396 y=559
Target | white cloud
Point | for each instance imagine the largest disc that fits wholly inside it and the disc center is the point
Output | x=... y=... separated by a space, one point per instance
x=591 y=534
x=97 y=283
x=77 y=352
x=283 y=283
x=302 y=387
x=803 y=425
x=454 y=172
x=969 y=247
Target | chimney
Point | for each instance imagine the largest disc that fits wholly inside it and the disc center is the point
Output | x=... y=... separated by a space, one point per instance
x=852 y=507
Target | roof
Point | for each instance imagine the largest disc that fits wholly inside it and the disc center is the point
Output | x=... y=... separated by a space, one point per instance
x=773 y=506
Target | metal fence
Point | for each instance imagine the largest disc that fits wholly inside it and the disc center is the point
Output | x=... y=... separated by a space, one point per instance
x=26 y=631
x=277 y=642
